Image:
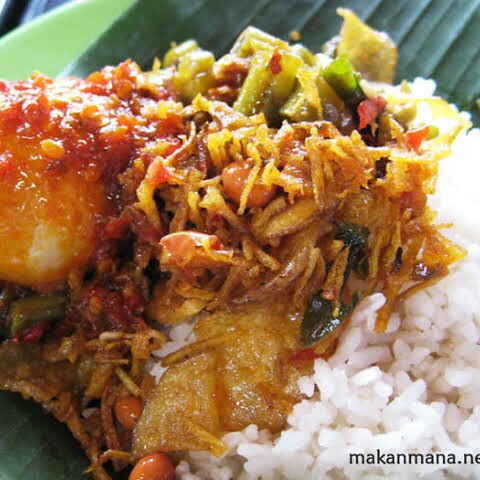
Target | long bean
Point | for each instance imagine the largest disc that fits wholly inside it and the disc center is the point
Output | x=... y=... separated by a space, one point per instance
x=194 y=73
x=251 y=40
x=29 y=311
x=345 y=81
x=173 y=56
x=304 y=104
x=266 y=89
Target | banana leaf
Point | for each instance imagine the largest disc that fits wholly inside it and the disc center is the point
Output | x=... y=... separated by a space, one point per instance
x=439 y=39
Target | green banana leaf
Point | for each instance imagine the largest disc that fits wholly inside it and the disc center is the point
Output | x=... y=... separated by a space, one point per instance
x=436 y=38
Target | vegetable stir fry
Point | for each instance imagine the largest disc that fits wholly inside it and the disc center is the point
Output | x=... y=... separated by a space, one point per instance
x=257 y=198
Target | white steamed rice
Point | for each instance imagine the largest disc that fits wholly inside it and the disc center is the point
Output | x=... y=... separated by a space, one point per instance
x=414 y=389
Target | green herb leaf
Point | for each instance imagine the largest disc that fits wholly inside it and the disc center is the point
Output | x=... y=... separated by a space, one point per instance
x=319 y=319
x=355 y=237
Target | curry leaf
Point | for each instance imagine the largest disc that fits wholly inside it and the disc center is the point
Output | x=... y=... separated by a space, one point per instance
x=321 y=319
x=355 y=237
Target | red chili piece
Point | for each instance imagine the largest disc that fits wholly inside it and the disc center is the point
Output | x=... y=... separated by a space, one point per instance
x=32 y=334
x=416 y=136
x=274 y=64
x=369 y=110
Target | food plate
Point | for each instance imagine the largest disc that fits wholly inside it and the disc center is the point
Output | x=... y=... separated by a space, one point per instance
x=56 y=37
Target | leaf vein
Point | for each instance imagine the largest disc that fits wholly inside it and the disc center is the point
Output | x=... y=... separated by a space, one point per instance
x=413 y=24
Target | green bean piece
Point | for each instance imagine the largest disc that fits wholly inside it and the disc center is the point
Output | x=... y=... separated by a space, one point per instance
x=251 y=40
x=29 y=311
x=304 y=105
x=297 y=108
x=173 y=56
x=345 y=81
x=282 y=85
x=250 y=98
x=265 y=91
x=194 y=74
x=306 y=102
